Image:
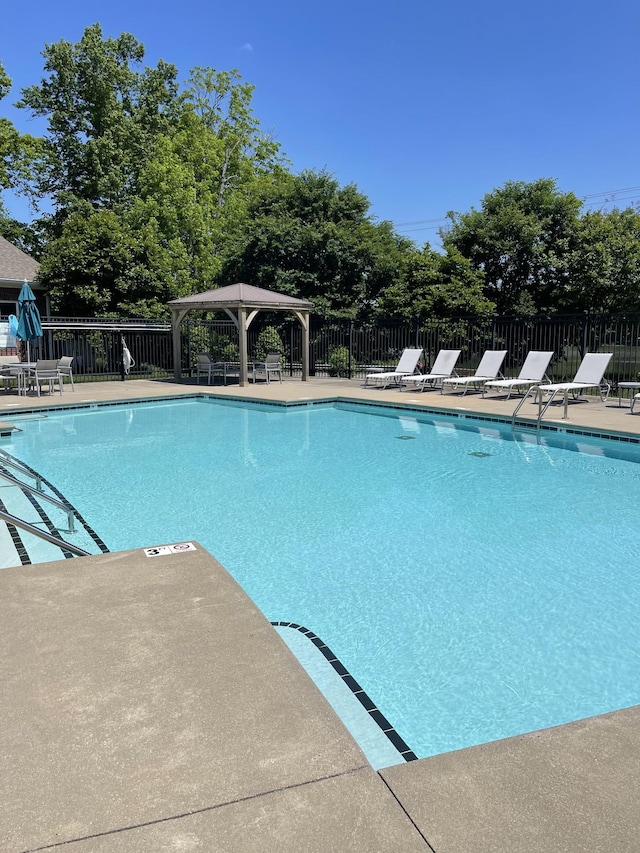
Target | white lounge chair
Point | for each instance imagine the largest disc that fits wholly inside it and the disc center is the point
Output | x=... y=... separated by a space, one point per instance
x=590 y=374
x=443 y=368
x=406 y=366
x=489 y=368
x=532 y=373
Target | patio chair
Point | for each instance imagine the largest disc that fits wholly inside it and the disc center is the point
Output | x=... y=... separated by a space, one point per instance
x=64 y=366
x=45 y=372
x=443 y=368
x=9 y=373
x=488 y=369
x=206 y=366
x=269 y=367
x=590 y=374
x=406 y=367
x=533 y=372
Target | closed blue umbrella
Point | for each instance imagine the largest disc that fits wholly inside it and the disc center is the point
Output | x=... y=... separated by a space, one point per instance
x=29 y=325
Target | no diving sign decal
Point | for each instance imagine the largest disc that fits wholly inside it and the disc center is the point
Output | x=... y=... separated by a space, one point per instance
x=163 y=550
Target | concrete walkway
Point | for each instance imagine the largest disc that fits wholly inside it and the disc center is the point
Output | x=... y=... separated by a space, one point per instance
x=147 y=705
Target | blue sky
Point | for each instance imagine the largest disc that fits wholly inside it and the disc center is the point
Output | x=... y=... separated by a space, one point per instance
x=425 y=106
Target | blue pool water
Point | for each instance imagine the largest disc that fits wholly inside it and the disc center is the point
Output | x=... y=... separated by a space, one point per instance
x=475 y=584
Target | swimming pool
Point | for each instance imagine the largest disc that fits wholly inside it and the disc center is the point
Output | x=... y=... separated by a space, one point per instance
x=477 y=584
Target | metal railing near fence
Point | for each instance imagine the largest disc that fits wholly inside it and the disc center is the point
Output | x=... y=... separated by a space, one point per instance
x=96 y=346
x=344 y=348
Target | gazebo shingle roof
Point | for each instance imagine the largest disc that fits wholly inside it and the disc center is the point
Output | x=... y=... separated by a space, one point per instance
x=16 y=265
x=234 y=295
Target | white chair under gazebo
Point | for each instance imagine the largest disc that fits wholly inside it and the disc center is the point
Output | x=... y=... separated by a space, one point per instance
x=240 y=302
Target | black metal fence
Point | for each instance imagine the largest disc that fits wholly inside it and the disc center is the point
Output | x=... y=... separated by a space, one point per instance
x=349 y=349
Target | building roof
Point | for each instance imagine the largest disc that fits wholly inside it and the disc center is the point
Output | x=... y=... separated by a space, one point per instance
x=16 y=266
x=240 y=295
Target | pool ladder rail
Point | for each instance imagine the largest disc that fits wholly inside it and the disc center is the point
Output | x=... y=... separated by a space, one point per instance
x=540 y=391
x=8 y=462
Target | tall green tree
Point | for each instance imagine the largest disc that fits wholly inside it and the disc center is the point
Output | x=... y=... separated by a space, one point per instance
x=192 y=192
x=222 y=101
x=103 y=112
x=86 y=266
x=151 y=180
x=307 y=236
x=9 y=136
x=522 y=240
x=436 y=285
x=18 y=153
x=605 y=265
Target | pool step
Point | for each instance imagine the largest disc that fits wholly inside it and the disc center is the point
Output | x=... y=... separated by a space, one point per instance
x=19 y=547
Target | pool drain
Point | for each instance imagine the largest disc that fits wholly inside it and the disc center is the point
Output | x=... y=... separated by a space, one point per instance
x=479 y=453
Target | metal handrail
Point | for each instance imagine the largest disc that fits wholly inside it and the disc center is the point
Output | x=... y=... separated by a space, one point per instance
x=604 y=387
x=35 y=491
x=48 y=537
x=8 y=460
x=541 y=410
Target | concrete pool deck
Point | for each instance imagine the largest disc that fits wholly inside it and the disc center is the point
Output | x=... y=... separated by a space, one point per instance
x=147 y=705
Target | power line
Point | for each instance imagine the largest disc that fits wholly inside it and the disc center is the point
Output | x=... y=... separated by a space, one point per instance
x=420 y=221
x=609 y=197
x=607 y=200
x=425 y=228
x=610 y=192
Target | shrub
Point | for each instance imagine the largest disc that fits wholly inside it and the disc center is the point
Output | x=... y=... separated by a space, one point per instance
x=268 y=341
x=230 y=352
x=220 y=346
x=339 y=362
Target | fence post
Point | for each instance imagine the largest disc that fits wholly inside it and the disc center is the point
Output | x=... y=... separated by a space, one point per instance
x=290 y=349
x=493 y=333
x=585 y=333
x=350 y=345
x=122 y=371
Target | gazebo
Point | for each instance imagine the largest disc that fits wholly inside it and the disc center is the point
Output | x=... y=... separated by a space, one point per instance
x=241 y=302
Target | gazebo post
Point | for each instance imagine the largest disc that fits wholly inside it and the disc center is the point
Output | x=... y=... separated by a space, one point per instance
x=242 y=329
x=305 y=349
x=177 y=316
x=303 y=319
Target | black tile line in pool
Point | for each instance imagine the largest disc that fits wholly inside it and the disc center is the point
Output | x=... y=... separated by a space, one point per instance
x=68 y=505
x=47 y=522
x=18 y=544
x=239 y=401
x=365 y=700
x=74 y=407
x=173 y=398
x=16 y=414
